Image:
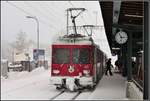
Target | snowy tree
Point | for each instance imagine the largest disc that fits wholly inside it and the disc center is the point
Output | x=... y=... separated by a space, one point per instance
x=21 y=43
x=6 y=50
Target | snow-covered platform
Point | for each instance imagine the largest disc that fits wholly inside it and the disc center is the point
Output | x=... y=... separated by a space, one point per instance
x=110 y=88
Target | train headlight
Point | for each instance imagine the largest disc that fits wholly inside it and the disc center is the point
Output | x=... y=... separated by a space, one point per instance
x=56 y=71
x=71 y=69
x=86 y=72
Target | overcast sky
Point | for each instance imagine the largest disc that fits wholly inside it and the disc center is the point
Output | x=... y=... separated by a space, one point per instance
x=52 y=19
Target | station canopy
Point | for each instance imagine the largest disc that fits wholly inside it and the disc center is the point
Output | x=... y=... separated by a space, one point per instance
x=124 y=15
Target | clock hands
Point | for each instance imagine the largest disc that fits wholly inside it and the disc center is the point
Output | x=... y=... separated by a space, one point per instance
x=121 y=36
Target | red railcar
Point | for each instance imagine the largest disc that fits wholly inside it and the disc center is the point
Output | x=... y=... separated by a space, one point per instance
x=76 y=62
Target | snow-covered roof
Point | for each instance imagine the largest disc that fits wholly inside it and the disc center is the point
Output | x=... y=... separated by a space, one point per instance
x=86 y=40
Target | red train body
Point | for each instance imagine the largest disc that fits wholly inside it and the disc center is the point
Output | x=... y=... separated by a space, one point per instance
x=76 y=63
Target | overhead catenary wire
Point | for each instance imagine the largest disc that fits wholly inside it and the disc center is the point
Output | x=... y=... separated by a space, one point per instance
x=37 y=10
x=43 y=14
x=23 y=10
x=90 y=16
x=26 y=12
x=19 y=8
x=47 y=11
x=83 y=20
x=48 y=8
x=83 y=3
x=51 y=18
x=51 y=9
x=101 y=26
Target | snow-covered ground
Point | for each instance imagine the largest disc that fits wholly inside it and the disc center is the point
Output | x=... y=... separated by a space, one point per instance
x=27 y=85
x=35 y=85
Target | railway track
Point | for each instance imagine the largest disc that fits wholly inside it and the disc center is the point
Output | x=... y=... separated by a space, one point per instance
x=66 y=95
x=57 y=95
x=76 y=95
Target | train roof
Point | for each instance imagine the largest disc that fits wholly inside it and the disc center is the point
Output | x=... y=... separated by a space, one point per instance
x=73 y=40
x=76 y=40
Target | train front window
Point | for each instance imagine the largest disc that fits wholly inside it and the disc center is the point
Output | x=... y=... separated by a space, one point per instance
x=76 y=56
x=81 y=56
x=84 y=56
x=61 y=56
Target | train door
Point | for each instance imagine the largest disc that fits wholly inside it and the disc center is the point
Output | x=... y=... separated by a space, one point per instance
x=98 y=64
x=95 y=65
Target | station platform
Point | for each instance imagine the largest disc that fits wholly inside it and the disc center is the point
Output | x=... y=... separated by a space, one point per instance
x=110 y=88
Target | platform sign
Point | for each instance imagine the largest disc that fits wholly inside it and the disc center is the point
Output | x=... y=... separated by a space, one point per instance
x=38 y=54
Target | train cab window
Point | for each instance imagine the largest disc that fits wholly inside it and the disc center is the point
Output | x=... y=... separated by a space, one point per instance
x=75 y=56
x=84 y=56
x=61 y=56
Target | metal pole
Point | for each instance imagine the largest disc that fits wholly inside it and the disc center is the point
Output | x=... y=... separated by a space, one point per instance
x=37 y=33
x=67 y=21
x=146 y=50
x=33 y=17
x=122 y=61
x=13 y=55
x=37 y=40
x=74 y=23
x=129 y=52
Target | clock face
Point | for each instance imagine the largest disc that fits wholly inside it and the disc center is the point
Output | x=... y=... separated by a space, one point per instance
x=121 y=37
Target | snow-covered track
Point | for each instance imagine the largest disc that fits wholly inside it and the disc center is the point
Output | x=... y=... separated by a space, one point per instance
x=76 y=95
x=66 y=95
x=57 y=95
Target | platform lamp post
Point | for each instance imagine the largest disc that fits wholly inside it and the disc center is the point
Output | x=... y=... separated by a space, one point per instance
x=35 y=18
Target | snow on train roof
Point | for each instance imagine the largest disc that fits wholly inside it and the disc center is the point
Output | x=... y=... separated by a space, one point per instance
x=86 y=40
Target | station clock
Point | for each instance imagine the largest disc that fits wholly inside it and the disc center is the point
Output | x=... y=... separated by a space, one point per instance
x=121 y=37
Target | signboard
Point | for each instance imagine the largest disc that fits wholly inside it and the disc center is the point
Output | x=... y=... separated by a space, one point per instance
x=21 y=57
x=38 y=54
